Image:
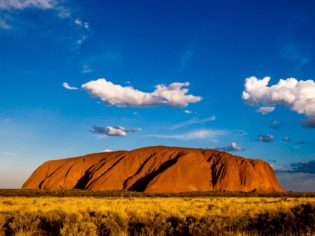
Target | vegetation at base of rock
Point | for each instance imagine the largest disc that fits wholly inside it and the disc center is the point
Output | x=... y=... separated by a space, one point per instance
x=124 y=193
x=157 y=216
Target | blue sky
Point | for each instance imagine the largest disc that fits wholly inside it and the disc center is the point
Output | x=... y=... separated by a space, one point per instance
x=112 y=45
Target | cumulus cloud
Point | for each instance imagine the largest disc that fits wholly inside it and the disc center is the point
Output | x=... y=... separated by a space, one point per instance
x=21 y=4
x=193 y=121
x=298 y=95
x=265 y=110
x=114 y=130
x=232 y=148
x=67 y=86
x=266 y=138
x=196 y=134
x=174 y=95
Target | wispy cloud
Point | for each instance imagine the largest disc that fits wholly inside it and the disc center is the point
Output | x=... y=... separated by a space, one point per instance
x=275 y=124
x=22 y=4
x=13 y=15
x=118 y=131
x=266 y=138
x=210 y=134
x=69 y=87
x=82 y=24
x=8 y=154
x=193 y=121
x=8 y=8
x=174 y=95
x=265 y=110
x=86 y=69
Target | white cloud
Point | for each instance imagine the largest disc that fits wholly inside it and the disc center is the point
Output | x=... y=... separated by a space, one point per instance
x=107 y=150
x=86 y=25
x=81 y=40
x=299 y=95
x=21 y=4
x=196 y=134
x=78 y=22
x=82 y=24
x=173 y=95
x=193 y=121
x=265 y=110
x=114 y=130
x=266 y=138
x=188 y=111
x=67 y=86
x=232 y=148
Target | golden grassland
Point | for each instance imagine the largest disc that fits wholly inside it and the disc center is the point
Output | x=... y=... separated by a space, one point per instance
x=49 y=214
x=143 y=207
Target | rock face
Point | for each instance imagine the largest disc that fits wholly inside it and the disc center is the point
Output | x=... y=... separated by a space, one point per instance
x=156 y=169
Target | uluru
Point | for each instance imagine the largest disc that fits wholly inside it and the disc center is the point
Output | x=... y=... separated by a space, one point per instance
x=157 y=169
